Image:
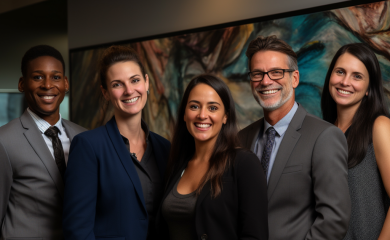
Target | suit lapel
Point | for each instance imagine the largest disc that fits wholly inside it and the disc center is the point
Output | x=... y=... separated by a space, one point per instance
x=256 y=131
x=125 y=158
x=205 y=192
x=69 y=130
x=286 y=147
x=172 y=182
x=253 y=133
x=160 y=155
x=34 y=137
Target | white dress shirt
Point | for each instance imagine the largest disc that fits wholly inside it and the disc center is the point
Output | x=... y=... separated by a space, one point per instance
x=43 y=126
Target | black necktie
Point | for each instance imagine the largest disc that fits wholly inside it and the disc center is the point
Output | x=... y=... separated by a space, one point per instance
x=268 y=149
x=52 y=132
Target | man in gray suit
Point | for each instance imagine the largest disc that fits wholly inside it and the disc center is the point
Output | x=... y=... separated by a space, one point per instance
x=32 y=160
x=304 y=158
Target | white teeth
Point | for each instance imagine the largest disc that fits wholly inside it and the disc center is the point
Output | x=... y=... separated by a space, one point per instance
x=131 y=100
x=48 y=97
x=202 y=125
x=343 y=92
x=270 y=91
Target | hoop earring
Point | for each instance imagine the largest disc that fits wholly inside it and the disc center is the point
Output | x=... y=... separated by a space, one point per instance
x=147 y=91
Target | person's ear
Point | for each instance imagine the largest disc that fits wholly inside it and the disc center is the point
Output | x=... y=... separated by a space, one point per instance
x=147 y=82
x=21 y=84
x=295 y=79
x=105 y=93
x=225 y=119
x=66 y=85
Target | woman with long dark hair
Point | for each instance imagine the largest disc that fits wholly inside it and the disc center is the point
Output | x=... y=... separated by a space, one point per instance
x=215 y=189
x=353 y=99
x=114 y=178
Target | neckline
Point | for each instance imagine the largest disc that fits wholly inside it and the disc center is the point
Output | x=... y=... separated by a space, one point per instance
x=179 y=195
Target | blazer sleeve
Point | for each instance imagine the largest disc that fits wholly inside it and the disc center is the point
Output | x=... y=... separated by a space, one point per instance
x=330 y=185
x=252 y=198
x=5 y=183
x=81 y=186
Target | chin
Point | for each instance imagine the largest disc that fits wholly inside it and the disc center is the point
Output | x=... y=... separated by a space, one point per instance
x=270 y=106
x=46 y=112
x=132 y=113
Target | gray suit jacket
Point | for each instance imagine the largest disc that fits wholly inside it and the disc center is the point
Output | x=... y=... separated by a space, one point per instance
x=308 y=195
x=31 y=187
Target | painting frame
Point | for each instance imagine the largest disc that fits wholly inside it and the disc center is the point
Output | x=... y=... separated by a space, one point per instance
x=273 y=17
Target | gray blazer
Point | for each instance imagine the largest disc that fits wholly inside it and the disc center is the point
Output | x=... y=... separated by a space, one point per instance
x=308 y=195
x=31 y=187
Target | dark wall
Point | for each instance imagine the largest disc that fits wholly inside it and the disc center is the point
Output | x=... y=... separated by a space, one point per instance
x=20 y=29
x=94 y=22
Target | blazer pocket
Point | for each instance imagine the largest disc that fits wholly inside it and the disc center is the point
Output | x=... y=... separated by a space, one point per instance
x=292 y=169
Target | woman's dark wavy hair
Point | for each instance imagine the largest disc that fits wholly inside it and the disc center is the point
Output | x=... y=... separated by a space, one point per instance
x=372 y=106
x=183 y=144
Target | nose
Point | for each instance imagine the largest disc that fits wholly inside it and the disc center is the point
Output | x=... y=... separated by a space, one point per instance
x=345 y=81
x=46 y=83
x=129 y=90
x=202 y=113
x=266 y=80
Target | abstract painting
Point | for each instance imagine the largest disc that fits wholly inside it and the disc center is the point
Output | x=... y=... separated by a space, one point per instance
x=171 y=62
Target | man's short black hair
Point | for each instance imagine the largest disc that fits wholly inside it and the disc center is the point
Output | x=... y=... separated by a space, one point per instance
x=39 y=51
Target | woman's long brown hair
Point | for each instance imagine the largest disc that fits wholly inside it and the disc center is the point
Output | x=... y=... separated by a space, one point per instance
x=372 y=106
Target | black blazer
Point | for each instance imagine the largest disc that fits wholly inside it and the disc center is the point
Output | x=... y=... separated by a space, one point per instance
x=239 y=212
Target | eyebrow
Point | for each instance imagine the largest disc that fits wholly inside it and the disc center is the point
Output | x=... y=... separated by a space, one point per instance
x=41 y=71
x=271 y=69
x=195 y=101
x=346 y=70
x=136 y=75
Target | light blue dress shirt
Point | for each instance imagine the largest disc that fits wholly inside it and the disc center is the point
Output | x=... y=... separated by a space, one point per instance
x=280 y=128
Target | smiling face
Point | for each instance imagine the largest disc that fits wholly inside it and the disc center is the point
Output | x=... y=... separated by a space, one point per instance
x=273 y=94
x=204 y=113
x=126 y=88
x=349 y=81
x=44 y=86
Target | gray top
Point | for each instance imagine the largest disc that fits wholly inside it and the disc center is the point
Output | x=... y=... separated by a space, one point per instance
x=179 y=212
x=369 y=199
x=151 y=182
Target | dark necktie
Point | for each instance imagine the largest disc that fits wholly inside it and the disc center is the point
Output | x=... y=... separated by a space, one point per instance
x=52 y=132
x=268 y=149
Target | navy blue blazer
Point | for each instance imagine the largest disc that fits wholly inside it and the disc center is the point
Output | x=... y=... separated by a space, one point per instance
x=103 y=195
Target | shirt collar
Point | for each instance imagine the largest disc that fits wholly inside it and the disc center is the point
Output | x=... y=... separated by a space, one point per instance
x=144 y=127
x=42 y=124
x=281 y=126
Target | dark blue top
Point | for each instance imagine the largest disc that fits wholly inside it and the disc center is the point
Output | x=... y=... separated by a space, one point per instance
x=103 y=193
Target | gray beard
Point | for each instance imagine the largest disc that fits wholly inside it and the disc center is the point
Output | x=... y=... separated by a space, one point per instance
x=276 y=105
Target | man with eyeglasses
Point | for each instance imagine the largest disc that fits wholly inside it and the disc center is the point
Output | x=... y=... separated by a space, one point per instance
x=303 y=157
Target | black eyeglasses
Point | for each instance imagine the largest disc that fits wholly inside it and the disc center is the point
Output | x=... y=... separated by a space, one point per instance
x=257 y=76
